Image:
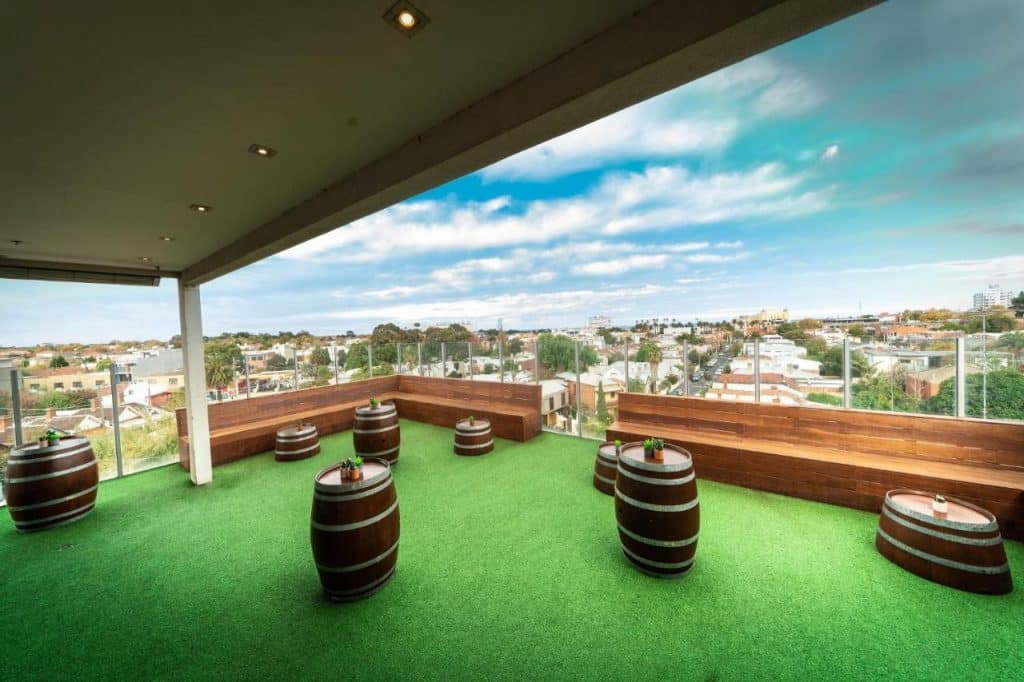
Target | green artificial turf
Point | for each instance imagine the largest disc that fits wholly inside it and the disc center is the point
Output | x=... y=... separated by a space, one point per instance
x=509 y=567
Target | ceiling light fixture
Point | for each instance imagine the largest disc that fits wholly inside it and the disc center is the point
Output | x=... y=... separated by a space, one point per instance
x=406 y=18
x=201 y=208
x=262 y=150
x=166 y=239
x=145 y=259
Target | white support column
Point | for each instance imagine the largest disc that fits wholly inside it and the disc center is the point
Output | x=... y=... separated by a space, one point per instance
x=190 y=310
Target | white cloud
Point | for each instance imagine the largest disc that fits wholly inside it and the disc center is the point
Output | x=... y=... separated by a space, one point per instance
x=1001 y=267
x=715 y=258
x=641 y=132
x=776 y=89
x=659 y=198
x=831 y=152
x=617 y=266
x=729 y=245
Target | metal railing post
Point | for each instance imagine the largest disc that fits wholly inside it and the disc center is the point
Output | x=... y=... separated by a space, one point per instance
x=115 y=419
x=501 y=358
x=536 y=361
x=295 y=368
x=419 y=358
x=469 y=345
x=579 y=395
x=398 y=355
x=757 y=370
x=847 y=373
x=444 y=361
x=245 y=365
x=19 y=438
x=626 y=346
x=335 y=365
x=686 y=368
x=369 y=357
x=961 y=376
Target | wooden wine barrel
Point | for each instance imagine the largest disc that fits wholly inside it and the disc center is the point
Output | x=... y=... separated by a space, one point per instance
x=354 y=530
x=962 y=549
x=473 y=439
x=605 y=466
x=297 y=442
x=657 y=510
x=51 y=486
x=375 y=432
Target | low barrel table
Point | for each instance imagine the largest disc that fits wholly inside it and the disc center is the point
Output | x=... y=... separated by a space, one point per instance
x=605 y=466
x=297 y=442
x=473 y=439
x=961 y=548
x=354 y=530
x=376 y=433
x=51 y=486
x=657 y=510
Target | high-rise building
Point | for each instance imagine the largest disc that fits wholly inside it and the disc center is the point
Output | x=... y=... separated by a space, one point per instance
x=994 y=295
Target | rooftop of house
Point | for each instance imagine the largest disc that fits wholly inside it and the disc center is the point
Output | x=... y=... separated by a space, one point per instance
x=494 y=582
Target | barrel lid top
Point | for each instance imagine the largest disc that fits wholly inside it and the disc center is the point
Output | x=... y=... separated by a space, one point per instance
x=294 y=430
x=676 y=458
x=921 y=503
x=64 y=443
x=478 y=424
x=373 y=470
x=383 y=408
x=608 y=449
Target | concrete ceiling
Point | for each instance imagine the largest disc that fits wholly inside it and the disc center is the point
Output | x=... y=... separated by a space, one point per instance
x=119 y=115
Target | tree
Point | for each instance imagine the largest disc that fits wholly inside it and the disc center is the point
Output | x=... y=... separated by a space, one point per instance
x=1017 y=304
x=1013 y=343
x=1005 y=389
x=884 y=392
x=277 y=362
x=602 y=406
x=652 y=355
x=558 y=354
x=323 y=375
x=103 y=364
x=320 y=357
x=219 y=373
x=636 y=385
x=856 y=330
x=58 y=361
x=358 y=357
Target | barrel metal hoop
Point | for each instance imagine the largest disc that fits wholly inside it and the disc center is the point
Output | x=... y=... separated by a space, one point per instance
x=341 y=528
x=368 y=588
x=476 y=446
x=370 y=417
x=371 y=431
x=30 y=448
x=63 y=515
x=50 y=503
x=345 y=497
x=648 y=466
x=959 y=539
x=603 y=479
x=54 y=474
x=657 y=543
x=358 y=567
x=295 y=439
x=686 y=506
x=26 y=459
x=657 y=564
x=942 y=561
x=610 y=460
x=312 y=447
x=379 y=452
x=958 y=525
x=657 y=481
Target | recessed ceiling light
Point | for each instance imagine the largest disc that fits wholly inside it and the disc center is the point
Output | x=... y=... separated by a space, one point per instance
x=165 y=238
x=262 y=150
x=201 y=208
x=17 y=242
x=406 y=17
x=145 y=259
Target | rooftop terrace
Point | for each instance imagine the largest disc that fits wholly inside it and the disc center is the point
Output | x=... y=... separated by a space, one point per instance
x=509 y=567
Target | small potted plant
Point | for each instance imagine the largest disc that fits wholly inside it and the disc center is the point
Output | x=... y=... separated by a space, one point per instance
x=471 y=420
x=659 y=450
x=355 y=470
x=648 y=447
x=346 y=467
x=374 y=403
x=940 y=506
x=618 y=448
x=52 y=437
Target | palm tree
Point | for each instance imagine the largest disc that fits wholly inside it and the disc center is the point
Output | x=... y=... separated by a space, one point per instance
x=654 y=356
x=219 y=374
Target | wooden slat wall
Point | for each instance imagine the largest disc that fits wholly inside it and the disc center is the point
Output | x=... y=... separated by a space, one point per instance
x=928 y=437
x=522 y=395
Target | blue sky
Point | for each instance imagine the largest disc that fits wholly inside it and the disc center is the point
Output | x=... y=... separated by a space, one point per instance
x=874 y=165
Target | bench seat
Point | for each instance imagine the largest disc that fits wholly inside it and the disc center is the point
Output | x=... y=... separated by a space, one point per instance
x=844 y=468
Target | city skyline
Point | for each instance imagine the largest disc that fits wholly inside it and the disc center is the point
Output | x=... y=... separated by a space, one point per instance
x=864 y=167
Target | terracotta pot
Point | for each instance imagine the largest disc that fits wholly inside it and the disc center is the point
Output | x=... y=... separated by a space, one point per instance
x=659 y=455
x=356 y=474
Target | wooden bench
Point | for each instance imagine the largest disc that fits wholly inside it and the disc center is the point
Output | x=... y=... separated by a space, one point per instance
x=241 y=428
x=844 y=457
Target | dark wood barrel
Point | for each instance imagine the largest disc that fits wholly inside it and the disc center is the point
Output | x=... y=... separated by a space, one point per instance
x=473 y=439
x=297 y=442
x=605 y=466
x=375 y=432
x=354 y=530
x=657 y=510
x=51 y=486
x=961 y=549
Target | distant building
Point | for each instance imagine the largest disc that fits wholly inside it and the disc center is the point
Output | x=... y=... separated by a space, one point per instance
x=599 y=321
x=775 y=389
x=766 y=315
x=993 y=296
